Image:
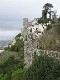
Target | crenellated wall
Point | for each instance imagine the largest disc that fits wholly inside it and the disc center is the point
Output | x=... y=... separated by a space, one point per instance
x=52 y=53
x=31 y=34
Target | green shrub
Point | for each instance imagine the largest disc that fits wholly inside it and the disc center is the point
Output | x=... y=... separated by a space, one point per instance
x=43 y=68
x=49 y=27
x=18 y=35
x=50 y=40
x=18 y=74
x=14 y=61
x=42 y=20
x=57 y=28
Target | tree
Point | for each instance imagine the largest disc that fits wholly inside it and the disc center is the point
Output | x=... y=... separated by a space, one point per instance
x=47 y=7
x=50 y=12
x=43 y=68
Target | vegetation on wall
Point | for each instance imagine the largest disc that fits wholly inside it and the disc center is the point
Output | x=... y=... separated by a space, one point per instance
x=42 y=20
x=50 y=40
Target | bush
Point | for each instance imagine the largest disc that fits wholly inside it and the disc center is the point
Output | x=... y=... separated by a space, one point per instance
x=49 y=27
x=57 y=28
x=19 y=46
x=12 y=61
x=42 y=20
x=43 y=68
x=18 y=74
x=18 y=35
x=50 y=40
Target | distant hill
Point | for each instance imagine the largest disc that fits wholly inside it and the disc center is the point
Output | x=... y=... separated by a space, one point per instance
x=4 y=42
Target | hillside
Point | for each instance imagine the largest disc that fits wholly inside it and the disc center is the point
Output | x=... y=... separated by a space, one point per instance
x=50 y=39
x=22 y=59
x=12 y=61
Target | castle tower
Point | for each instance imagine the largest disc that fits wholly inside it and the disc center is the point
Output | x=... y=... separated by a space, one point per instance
x=30 y=42
x=25 y=22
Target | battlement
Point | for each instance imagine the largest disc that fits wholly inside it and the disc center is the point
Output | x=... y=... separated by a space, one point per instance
x=31 y=32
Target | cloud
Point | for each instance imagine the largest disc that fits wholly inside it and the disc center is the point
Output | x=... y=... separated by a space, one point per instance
x=6 y=35
x=12 y=13
x=11 y=25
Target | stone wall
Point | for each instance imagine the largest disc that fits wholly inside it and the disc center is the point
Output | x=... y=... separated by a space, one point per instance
x=52 y=53
x=29 y=55
x=31 y=42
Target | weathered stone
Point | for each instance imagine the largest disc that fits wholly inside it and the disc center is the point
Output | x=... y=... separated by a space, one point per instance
x=31 y=33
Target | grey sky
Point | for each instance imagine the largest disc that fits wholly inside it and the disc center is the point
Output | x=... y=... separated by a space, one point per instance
x=12 y=13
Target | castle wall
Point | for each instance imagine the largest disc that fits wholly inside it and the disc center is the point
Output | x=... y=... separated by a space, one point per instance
x=31 y=33
x=52 y=53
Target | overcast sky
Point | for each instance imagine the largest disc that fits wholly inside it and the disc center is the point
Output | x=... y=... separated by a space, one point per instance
x=12 y=13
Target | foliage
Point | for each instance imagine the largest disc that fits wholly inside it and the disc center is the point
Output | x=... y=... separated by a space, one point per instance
x=57 y=28
x=42 y=20
x=59 y=19
x=47 y=9
x=47 y=6
x=6 y=54
x=50 y=40
x=12 y=61
x=13 y=64
x=17 y=75
x=18 y=35
x=43 y=68
x=49 y=27
x=31 y=30
x=18 y=46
